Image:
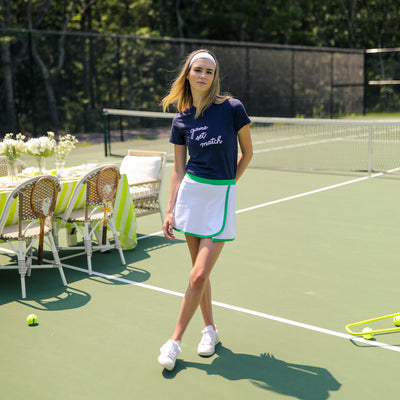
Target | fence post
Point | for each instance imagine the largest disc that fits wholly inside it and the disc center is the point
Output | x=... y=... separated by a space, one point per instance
x=365 y=83
x=33 y=85
x=119 y=74
x=331 y=94
x=105 y=126
x=292 y=94
x=369 y=149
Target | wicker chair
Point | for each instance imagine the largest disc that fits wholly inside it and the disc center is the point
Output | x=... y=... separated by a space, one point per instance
x=36 y=201
x=100 y=185
x=145 y=173
x=3 y=166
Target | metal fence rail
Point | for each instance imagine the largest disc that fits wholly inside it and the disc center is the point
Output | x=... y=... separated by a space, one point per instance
x=63 y=85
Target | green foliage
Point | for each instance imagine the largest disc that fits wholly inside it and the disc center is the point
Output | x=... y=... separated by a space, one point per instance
x=340 y=23
x=86 y=83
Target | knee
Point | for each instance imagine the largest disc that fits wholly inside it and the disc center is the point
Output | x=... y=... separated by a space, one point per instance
x=198 y=279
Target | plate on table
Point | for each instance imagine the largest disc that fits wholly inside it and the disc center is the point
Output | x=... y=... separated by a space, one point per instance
x=7 y=185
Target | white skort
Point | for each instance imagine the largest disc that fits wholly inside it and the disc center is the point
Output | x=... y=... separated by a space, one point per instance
x=206 y=208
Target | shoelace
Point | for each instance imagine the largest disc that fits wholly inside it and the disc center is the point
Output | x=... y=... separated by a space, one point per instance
x=173 y=350
x=208 y=336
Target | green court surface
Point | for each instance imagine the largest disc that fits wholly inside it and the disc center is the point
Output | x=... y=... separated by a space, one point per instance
x=314 y=252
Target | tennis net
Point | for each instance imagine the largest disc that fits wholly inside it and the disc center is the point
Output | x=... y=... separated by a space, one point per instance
x=347 y=145
x=326 y=145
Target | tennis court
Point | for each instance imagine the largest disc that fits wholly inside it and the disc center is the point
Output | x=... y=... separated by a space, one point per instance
x=314 y=252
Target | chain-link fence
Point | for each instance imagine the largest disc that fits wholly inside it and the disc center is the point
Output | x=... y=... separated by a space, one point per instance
x=61 y=82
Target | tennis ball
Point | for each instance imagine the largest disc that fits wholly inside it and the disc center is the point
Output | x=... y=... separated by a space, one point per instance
x=367 y=336
x=32 y=319
x=396 y=320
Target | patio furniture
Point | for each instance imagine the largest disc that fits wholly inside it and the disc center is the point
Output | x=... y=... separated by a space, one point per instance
x=36 y=199
x=100 y=187
x=123 y=216
x=145 y=172
x=20 y=165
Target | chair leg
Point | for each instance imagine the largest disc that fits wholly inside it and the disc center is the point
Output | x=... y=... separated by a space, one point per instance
x=57 y=259
x=23 y=290
x=117 y=241
x=88 y=247
x=22 y=272
x=55 y=231
x=64 y=281
x=89 y=263
x=22 y=266
x=121 y=254
x=29 y=257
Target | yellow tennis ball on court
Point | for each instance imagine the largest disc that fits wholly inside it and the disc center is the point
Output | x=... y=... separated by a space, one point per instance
x=367 y=335
x=32 y=319
x=396 y=320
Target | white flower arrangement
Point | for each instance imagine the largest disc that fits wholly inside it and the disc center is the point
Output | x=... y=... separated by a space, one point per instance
x=12 y=148
x=43 y=146
x=66 y=143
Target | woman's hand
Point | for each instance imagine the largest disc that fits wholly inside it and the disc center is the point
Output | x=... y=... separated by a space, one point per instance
x=168 y=226
x=177 y=175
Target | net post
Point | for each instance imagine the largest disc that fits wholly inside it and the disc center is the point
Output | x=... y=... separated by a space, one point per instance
x=331 y=88
x=105 y=123
x=365 y=83
x=369 y=149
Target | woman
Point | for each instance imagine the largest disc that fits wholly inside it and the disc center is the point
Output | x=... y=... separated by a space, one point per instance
x=203 y=193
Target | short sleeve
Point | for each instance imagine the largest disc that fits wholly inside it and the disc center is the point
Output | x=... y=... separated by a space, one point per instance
x=240 y=115
x=177 y=134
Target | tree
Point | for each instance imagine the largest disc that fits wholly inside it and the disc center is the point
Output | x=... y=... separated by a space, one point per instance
x=34 y=67
x=7 y=69
x=48 y=74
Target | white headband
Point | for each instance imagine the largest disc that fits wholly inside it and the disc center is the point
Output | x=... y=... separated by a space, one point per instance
x=202 y=55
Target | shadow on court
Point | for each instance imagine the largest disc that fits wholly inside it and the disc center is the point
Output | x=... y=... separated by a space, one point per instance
x=44 y=286
x=67 y=299
x=303 y=382
x=44 y=290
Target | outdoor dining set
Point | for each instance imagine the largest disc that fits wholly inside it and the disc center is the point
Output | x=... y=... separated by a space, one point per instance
x=99 y=203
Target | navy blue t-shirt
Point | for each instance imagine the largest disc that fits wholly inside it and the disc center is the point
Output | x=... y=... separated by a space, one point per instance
x=211 y=139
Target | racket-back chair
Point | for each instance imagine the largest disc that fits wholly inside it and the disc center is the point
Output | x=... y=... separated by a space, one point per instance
x=36 y=199
x=145 y=172
x=20 y=165
x=100 y=185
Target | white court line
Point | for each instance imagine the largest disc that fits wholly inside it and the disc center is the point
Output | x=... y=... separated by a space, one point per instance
x=296 y=196
x=150 y=235
x=268 y=316
x=248 y=311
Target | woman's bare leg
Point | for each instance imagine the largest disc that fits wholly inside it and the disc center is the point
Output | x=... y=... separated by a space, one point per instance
x=206 y=306
x=206 y=301
x=199 y=289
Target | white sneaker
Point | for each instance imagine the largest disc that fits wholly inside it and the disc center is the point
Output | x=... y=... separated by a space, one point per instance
x=168 y=354
x=208 y=342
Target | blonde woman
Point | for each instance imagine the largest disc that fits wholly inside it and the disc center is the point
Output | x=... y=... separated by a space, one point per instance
x=202 y=196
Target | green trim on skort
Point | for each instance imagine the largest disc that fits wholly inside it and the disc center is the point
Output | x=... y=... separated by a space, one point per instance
x=220 y=182
x=203 y=180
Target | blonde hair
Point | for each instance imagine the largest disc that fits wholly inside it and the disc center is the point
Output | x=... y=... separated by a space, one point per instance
x=181 y=95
